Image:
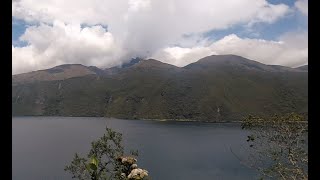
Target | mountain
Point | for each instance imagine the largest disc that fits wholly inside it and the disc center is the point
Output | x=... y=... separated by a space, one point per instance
x=234 y=62
x=305 y=68
x=132 y=62
x=117 y=69
x=56 y=73
x=215 y=88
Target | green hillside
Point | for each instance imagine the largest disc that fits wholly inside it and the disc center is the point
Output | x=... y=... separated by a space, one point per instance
x=214 y=88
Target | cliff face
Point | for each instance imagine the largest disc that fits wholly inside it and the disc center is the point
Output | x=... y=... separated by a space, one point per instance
x=214 y=88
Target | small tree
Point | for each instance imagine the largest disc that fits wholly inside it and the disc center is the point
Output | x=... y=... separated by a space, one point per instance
x=279 y=147
x=106 y=161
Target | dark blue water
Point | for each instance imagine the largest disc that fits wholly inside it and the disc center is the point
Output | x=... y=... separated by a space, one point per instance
x=42 y=146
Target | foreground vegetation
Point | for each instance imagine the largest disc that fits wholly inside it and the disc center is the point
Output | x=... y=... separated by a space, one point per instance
x=106 y=161
x=278 y=146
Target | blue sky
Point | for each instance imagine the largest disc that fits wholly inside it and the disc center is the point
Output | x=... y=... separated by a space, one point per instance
x=293 y=22
x=18 y=28
x=142 y=26
x=287 y=2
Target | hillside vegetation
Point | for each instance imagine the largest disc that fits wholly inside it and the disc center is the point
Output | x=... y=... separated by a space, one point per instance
x=215 y=88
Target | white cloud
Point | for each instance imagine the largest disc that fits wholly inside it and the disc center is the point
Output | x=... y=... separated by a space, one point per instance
x=136 y=5
x=71 y=11
x=135 y=27
x=219 y=13
x=290 y=50
x=182 y=56
x=302 y=6
x=60 y=43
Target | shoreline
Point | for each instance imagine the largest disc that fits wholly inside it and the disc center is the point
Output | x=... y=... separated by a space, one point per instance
x=142 y=119
x=187 y=120
x=145 y=119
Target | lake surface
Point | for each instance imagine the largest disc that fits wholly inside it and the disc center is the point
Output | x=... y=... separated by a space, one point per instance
x=42 y=146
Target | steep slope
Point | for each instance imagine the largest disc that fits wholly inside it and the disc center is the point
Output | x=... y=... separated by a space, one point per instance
x=214 y=88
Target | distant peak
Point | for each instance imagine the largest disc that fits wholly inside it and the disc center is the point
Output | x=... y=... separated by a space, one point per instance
x=67 y=65
x=62 y=67
x=153 y=61
x=238 y=62
x=304 y=67
x=223 y=58
x=132 y=62
x=155 y=64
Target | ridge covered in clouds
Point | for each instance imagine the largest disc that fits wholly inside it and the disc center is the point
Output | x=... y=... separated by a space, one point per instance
x=110 y=32
x=49 y=46
x=291 y=50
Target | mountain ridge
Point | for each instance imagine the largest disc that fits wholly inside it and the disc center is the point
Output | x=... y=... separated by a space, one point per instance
x=150 y=89
x=215 y=60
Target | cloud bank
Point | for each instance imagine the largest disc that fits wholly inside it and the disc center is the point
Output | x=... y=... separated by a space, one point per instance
x=302 y=6
x=106 y=33
x=291 y=50
x=49 y=46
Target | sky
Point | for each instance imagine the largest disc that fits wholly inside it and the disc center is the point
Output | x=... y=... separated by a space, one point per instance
x=107 y=33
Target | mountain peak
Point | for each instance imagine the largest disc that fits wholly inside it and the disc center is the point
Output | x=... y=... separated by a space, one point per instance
x=236 y=62
x=153 y=63
x=60 y=72
x=132 y=62
x=63 y=67
x=304 y=67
